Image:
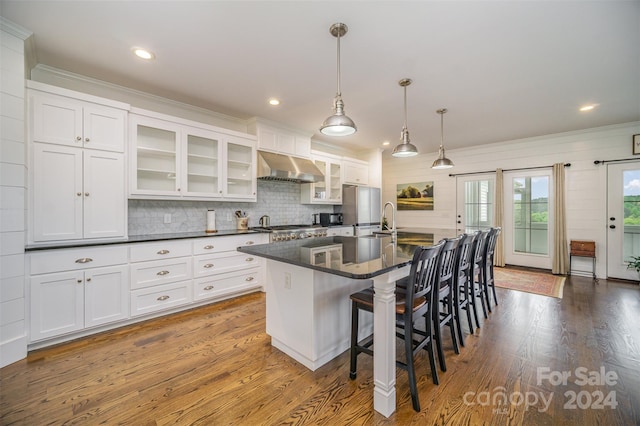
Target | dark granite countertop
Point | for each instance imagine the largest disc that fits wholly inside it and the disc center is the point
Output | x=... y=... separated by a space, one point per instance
x=351 y=257
x=139 y=239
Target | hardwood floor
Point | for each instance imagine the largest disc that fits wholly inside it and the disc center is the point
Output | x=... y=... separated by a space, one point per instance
x=215 y=366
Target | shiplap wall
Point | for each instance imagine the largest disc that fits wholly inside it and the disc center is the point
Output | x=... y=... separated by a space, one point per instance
x=13 y=337
x=586 y=187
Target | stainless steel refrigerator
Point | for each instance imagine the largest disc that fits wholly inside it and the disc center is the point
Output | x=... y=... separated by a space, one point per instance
x=361 y=209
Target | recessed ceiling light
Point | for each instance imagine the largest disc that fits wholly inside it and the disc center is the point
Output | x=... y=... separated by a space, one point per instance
x=385 y=143
x=588 y=107
x=274 y=101
x=143 y=53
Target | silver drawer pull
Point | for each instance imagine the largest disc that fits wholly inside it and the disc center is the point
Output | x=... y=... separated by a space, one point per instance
x=249 y=243
x=161 y=298
x=208 y=265
x=209 y=287
x=249 y=259
x=162 y=273
x=84 y=260
x=163 y=252
x=208 y=247
x=249 y=279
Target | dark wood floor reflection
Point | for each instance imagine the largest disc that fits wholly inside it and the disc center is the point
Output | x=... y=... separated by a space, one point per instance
x=215 y=366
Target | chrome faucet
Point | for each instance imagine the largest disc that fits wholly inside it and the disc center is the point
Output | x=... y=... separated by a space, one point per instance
x=394 y=231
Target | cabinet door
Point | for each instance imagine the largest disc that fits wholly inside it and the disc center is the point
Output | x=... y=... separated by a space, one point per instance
x=106 y=295
x=154 y=157
x=240 y=169
x=355 y=173
x=57 y=192
x=56 y=119
x=201 y=163
x=334 y=182
x=105 y=207
x=104 y=128
x=319 y=189
x=57 y=304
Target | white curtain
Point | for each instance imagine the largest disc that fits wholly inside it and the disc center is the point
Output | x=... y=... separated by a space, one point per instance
x=498 y=255
x=560 y=263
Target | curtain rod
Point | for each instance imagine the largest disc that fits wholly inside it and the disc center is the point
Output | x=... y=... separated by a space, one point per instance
x=505 y=170
x=615 y=161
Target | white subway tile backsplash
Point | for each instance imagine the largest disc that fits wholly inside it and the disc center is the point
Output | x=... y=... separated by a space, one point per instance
x=279 y=200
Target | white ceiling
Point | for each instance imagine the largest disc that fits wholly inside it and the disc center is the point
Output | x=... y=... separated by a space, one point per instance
x=504 y=69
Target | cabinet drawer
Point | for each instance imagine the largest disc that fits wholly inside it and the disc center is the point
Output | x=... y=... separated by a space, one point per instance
x=147 y=274
x=222 y=262
x=58 y=260
x=227 y=243
x=153 y=299
x=224 y=284
x=162 y=250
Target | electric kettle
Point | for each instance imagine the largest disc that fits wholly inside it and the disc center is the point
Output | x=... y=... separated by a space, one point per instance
x=264 y=221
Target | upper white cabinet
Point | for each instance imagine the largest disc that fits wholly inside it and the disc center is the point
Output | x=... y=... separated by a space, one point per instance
x=77 y=169
x=355 y=172
x=66 y=121
x=273 y=137
x=328 y=191
x=176 y=159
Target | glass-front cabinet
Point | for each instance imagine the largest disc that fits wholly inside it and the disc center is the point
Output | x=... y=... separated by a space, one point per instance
x=328 y=191
x=240 y=168
x=172 y=160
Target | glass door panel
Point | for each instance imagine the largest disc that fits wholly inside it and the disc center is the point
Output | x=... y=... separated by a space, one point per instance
x=240 y=170
x=320 y=188
x=335 y=182
x=156 y=159
x=202 y=165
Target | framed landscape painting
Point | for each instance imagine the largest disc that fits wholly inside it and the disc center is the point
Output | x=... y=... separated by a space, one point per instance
x=415 y=196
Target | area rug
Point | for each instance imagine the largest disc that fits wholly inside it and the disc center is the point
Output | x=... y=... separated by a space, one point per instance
x=541 y=283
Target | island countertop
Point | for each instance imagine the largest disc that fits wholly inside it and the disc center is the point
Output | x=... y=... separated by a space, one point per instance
x=351 y=257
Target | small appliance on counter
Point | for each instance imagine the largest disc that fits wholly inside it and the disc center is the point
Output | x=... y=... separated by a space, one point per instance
x=330 y=219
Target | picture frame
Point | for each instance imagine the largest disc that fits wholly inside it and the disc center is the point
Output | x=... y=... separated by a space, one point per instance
x=636 y=144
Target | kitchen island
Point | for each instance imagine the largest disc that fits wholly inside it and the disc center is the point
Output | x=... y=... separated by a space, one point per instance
x=308 y=283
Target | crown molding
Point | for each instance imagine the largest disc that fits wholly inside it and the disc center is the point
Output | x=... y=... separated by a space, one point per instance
x=14 y=29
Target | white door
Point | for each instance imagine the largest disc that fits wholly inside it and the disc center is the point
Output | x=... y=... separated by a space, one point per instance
x=57 y=192
x=106 y=295
x=623 y=217
x=57 y=304
x=105 y=207
x=528 y=224
x=475 y=202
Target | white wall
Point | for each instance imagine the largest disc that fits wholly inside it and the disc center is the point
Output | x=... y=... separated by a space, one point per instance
x=13 y=338
x=585 y=182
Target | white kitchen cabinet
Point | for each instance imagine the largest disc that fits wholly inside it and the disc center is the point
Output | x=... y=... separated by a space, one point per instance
x=276 y=138
x=77 y=193
x=67 y=121
x=175 y=160
x=68 y=296
x=340 y=231
x=355 y=172
x=328 y=191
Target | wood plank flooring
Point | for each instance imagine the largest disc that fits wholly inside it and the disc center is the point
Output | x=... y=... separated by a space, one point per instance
x=215 y=366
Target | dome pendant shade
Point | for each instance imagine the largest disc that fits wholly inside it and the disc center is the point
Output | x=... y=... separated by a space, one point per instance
x=338 y=124
x=442 y=162
x=406 y=148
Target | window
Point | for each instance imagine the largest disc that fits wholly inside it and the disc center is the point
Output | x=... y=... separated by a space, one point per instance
x=478 y=204
x=531 y=214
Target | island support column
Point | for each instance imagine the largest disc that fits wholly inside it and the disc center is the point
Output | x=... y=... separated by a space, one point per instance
x=384 y=340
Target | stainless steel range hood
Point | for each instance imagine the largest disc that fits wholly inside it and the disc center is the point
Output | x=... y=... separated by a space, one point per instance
x=287 y=168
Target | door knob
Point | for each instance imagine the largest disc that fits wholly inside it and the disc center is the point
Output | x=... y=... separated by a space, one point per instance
x=612 y=226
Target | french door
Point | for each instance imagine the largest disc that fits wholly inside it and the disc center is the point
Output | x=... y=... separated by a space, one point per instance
x=528 y=222
x=475 y=202
x=623 y=218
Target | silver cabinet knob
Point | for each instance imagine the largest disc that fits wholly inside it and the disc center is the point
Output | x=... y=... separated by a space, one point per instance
x=78 y=138
x=208 y=247
x=79 y=194
x=86 y=139
x=86 y=194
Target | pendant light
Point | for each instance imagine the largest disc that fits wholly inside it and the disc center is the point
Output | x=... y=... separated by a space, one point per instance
x=442 y=162
x=406 y=148
x=338 y=124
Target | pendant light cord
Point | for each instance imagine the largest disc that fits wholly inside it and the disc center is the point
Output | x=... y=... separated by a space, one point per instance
x=405 y=108
x=441 y=129
x=338 y=37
